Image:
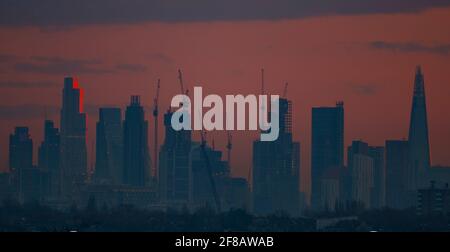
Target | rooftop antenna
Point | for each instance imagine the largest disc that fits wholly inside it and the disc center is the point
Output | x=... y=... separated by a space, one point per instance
x=285 y=90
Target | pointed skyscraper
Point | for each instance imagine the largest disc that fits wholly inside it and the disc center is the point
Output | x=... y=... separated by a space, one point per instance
x=419 y=148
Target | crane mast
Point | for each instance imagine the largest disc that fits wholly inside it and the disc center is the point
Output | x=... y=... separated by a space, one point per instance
x=180 y=79
x=285 y=90
x=229 y=147
x=155 y=118
x=209 y=171
x=262 y=81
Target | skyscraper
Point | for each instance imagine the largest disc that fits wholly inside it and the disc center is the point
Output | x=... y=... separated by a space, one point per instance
x=360 y=165
x=330 y=187
x=419 y=149
x=136 y=158
x=20 y=150
x=397 y=165
x=379 y=176
x=174 y=173
x=109 y=147
x=25 y=176
x=327 y=146
x=201 y=188
x=73 y=159
x=276 y=169
x=48 y=162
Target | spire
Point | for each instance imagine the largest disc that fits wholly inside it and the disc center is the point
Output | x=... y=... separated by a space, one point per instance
x=418 y=70
x=419 y=82
x=418 y=132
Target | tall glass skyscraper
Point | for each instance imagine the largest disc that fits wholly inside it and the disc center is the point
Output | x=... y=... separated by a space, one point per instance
x=73 y=138
x=327 y=146
x=419 y=149
x=109 y=147
x=20 y=150
x=136 y=158
x=25 y=175
x=396 y=169
x=276 y=169
x=48 y=162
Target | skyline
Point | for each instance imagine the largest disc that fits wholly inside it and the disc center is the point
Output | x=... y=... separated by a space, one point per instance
x=350 y=76
x=185 y=165
x=91 y=165
x=334 y=116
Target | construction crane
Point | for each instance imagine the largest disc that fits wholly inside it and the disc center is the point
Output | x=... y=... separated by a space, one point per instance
x=229 y=146
x=262 y=81
x=263 y=110
x=180 y=79
x=249 y=177
x=155 y=117
x=209 y=170
x=285 y=90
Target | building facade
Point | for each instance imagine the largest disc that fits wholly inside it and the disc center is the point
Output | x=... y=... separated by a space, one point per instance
x=327 y=146
x=48 y=163
x=397 y=165
x=276 y=169
x=109 y=147
x=419 y=149
x=73 y=159
x=136 y=156
x=174 y=173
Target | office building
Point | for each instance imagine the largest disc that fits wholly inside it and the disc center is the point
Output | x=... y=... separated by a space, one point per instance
x=327 y=146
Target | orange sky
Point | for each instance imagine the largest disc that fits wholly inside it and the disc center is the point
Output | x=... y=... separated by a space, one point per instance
x=324 y=59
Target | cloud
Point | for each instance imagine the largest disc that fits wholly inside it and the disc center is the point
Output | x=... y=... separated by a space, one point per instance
x=40 y=111
x=27 y=111
x=131 y=67
x=161 y=57
x=364 y=89
x=27 y=84
x=411 y=47
x=60 y=66
x=36 y=111
x=4 y=58
x=85 y=12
